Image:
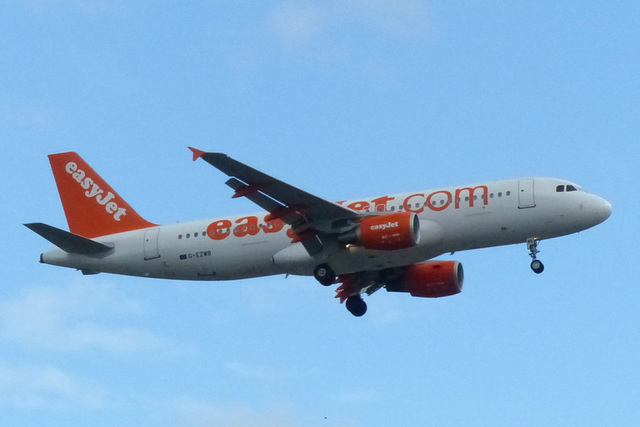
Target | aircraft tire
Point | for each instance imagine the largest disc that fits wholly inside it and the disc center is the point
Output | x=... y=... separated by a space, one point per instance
x=356 y=305
x=324 y=274
x=537 y=266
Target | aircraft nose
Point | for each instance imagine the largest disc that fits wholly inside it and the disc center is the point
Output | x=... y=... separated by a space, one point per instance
x=603 y=210
x=606 y=210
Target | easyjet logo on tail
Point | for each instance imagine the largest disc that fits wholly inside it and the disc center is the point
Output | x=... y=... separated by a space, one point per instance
x=95 y=192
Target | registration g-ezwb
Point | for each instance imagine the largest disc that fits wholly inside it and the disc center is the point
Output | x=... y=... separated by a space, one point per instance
x=363 y=244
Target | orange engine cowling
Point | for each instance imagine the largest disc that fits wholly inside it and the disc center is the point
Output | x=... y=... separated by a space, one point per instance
x=399 y=230
x=430 y=279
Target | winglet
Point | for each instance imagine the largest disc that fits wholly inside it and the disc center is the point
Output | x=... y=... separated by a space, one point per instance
x=197 y=153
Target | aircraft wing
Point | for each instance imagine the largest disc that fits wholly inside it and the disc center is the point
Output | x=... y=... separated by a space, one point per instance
x=303 y=211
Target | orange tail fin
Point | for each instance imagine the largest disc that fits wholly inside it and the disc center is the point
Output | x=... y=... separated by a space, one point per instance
x=92 y=207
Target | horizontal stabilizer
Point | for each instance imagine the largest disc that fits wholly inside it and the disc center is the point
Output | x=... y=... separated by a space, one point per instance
x=68 y=242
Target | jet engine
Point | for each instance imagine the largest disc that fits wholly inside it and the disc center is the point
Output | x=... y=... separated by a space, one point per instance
x=399 y=230
x=430 y=279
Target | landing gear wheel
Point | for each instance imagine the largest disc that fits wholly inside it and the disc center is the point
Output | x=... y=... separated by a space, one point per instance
x=356 y=305
x=324 y=274
x=537 y=266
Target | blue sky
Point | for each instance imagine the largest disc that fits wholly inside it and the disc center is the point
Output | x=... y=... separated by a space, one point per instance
x=344 y=99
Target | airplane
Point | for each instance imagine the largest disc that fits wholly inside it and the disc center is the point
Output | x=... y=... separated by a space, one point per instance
x=362 y=244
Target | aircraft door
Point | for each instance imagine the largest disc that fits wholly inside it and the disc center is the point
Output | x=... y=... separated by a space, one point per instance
x=526 y=197
x=151 y=243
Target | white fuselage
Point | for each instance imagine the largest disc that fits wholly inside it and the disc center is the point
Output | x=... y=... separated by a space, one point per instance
x=451 y=219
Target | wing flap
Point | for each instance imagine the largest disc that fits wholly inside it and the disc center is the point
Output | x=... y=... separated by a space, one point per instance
x=257 y=197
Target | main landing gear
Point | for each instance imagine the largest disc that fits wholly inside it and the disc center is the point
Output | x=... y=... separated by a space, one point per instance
x=356 y=305
x=324 y=274
x=536 y=265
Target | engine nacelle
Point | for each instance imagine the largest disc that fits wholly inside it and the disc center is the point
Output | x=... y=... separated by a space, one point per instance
x=399 y=230
x=430 y=279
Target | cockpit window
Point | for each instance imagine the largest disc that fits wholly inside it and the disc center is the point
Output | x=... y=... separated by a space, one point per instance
x=568 y=187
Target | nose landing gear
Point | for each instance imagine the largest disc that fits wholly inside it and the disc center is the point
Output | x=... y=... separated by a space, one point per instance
x=536 y=265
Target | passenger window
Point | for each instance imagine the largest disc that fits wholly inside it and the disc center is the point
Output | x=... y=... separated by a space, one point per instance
x=188 y=235
x=500 y=194
x=195 y=234
x=508 y=193
x=179 y=236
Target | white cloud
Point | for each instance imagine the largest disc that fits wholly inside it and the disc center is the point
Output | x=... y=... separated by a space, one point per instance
x=45 y=386
x=192 y=412
x=89 y=7
x=357 y=397
x=265 y=372
x=75 y=317
x=350 y=33
x=296 y=24
x=253 y=371
x=399 y=18
x=26 y=114
x=260 y=372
